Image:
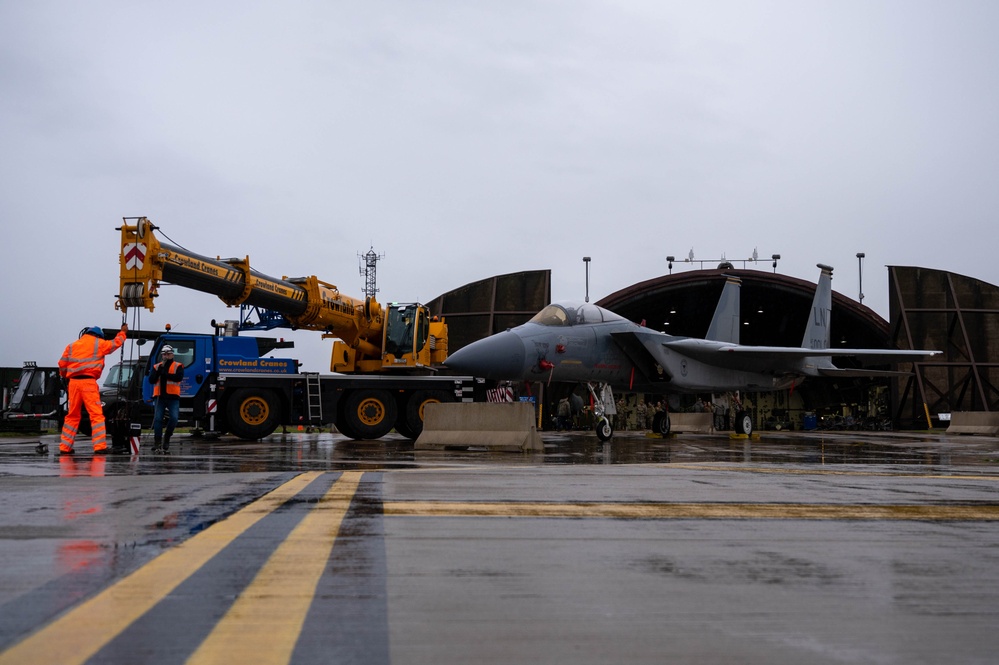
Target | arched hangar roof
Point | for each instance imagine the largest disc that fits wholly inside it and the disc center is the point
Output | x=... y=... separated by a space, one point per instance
x=774 y=308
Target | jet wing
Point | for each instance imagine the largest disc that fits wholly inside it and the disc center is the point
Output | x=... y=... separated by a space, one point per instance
x=865 y=356
x=793 y=360
x=726 y=355
x=700 y=349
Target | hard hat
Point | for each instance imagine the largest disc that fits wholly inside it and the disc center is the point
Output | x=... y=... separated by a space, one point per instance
x=166 y=349
x=96 y=331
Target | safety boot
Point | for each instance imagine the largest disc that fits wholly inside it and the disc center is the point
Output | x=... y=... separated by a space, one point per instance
x=166 y=443
x=157 y=445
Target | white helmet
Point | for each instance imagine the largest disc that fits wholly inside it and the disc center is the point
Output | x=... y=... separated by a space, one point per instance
x=166 y=349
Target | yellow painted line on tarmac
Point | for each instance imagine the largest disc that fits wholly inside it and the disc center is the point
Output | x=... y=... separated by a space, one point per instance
x=84 y=630
x=264 y=623
x=785 y=511
x=825 y=472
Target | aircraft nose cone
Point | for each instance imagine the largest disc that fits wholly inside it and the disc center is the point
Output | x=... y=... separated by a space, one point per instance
x=500 y=357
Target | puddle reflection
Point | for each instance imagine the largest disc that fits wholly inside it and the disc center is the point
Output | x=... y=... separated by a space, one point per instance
x=718 y=449
x=325 y=451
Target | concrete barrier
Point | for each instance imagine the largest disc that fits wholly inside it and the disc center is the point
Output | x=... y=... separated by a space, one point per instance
x=506 y=427
x=974 y=422
x=692 y=423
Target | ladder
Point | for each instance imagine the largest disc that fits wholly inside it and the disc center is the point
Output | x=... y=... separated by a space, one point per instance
x=313 y=399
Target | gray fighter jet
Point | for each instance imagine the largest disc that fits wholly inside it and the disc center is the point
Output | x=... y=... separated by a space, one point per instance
x=582 y=343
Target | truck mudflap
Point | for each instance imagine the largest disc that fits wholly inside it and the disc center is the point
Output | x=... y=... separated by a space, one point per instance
x=212 y=419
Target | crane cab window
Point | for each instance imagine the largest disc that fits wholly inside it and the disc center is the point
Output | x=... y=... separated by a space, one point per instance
x=405 y=329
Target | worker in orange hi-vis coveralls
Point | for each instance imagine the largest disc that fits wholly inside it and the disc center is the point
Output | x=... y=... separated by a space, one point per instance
x=82 y=364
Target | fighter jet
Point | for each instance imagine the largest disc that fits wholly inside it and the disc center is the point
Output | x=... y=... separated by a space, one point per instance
x=582 y=343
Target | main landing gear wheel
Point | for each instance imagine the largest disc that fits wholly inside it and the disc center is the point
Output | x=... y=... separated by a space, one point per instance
x=743 y=423
x=604 y=429
x=661 y=424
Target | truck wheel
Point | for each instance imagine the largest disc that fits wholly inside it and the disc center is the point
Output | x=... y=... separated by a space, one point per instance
x=252 y=414
x=343 y=426
x=743 y=423
x=369 y=414
x=410 y=421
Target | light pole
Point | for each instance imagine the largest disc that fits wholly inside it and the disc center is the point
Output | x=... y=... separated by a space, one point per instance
x=586 y=260
x=860 y=268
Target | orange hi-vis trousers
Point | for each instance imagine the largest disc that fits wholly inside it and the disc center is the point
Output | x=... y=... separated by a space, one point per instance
x=84 y=393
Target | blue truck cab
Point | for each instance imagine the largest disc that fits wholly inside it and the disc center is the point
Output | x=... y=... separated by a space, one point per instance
x=207 y=356
x=208 y=361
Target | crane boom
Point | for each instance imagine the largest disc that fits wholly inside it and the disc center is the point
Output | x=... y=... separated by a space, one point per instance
x=306 y=302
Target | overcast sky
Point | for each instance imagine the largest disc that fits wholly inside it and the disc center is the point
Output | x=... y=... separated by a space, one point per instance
x=468 y=139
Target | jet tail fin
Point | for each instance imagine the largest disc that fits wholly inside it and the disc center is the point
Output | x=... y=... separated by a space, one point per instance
x=725 y=322
x=817 y=334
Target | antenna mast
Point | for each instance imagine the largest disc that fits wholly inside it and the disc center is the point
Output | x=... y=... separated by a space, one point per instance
x=369 y=268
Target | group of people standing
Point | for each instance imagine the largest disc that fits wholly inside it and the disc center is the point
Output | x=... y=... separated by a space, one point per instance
x=570 y=413
x=637 y=416
x=81 y=366
x=631 y=413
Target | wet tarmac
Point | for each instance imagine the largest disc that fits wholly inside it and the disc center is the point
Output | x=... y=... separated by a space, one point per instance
x=797 y=547
x=297 y=451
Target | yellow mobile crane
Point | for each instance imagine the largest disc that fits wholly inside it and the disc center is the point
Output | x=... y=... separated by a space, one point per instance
x=385 y=357
x=370 y=338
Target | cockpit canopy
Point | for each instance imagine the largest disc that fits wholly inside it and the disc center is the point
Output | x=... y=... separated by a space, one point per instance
x=563 y=314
